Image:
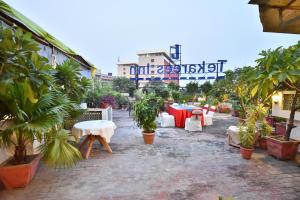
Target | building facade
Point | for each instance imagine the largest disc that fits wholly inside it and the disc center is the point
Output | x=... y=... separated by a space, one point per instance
x=124 y=69
x=152 y=65
x=105 y=78
x=50 y=47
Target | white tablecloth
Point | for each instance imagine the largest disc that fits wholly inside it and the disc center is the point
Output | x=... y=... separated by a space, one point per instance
x=104 y=128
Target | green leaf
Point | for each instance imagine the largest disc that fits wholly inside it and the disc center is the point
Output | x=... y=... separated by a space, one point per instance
x=254 y=90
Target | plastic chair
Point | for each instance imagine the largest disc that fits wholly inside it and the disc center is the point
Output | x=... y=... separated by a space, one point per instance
x=167 y=121
x=205 y=108
x=209 y=116
x=194 y=123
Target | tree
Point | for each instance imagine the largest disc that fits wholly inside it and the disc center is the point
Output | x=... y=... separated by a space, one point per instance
x=192 y=88
x=157 y=87
x=123 y=84
x=173 y=86
x=277 y=69
x=206 y=88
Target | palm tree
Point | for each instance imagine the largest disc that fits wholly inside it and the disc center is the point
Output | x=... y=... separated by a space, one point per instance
x=68 y=78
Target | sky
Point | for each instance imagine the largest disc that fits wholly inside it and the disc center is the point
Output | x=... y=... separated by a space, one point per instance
x=103 y=31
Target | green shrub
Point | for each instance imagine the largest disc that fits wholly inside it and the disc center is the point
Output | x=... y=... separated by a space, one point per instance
x=247 y=134
x=145 y=112
x=265 y=129
x=176 y=96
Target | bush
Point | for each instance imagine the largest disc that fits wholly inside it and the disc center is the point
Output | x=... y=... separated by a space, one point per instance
x=176 y=96
x=265 y=129
x=121 y=100
x=109 y=99
x=247 y=134
x=164 y=94
x=145 y=112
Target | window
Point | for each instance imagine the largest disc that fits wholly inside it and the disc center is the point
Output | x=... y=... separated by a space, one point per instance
x=124 y=68
x=287 y=101
x=152 y=60
x=124 y=73
x=152 y=72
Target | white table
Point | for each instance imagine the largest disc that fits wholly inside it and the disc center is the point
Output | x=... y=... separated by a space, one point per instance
x=101 y=130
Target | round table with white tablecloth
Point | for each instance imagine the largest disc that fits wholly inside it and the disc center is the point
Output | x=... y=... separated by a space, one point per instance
x=101 y=130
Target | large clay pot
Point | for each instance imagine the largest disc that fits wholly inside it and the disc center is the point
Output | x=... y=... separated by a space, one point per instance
x=104 y=105
x=148 y=137
x=283 y=150
x=18 y=176
x=246 y=153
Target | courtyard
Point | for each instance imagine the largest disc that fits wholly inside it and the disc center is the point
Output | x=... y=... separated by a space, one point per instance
x=179 y=165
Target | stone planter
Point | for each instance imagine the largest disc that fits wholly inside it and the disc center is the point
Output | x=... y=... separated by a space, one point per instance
x=148 y=137
x=19 y=176
x=283 y=150
x=246 y=153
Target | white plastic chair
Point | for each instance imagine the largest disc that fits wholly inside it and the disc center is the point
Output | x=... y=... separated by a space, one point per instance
x=205 y=109
x=159 y=117
x=194 y=123
x=209 y=116
x=167 y=121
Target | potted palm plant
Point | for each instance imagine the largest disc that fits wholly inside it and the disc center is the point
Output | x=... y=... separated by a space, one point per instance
x=247 y=136
x=145 y=112
x=35 y=112
x=34 y=119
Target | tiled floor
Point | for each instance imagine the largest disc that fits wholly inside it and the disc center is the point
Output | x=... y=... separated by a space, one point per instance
x=179 y=165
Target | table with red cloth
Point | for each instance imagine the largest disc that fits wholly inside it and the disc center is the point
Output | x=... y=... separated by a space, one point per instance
x=180 y=113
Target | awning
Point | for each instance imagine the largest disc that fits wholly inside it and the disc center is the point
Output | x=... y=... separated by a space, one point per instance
x=281 y=16
x=19 y=19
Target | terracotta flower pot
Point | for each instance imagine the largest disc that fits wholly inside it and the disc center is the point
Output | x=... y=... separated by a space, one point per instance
x=283 y=150
x=148 y=137
x=246 y=153
x=104 y=105
x=18 y=176
x=235 y=113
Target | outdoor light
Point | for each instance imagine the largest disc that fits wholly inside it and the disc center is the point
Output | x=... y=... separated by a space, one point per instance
x=276 y=98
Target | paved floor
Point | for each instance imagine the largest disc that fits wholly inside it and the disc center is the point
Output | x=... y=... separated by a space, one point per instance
x=179 y=165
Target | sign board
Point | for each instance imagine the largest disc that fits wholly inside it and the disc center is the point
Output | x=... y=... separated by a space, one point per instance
x=199 y=71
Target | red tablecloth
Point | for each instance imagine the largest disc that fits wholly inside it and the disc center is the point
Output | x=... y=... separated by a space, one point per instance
x=180 y=115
